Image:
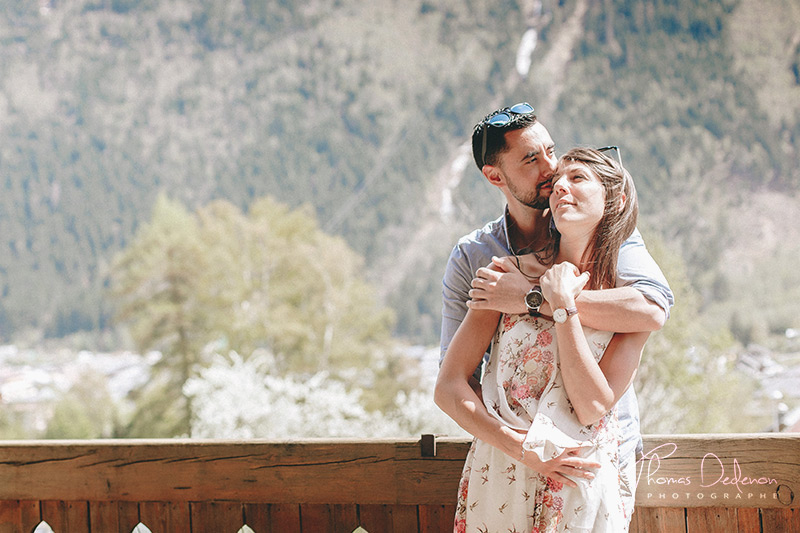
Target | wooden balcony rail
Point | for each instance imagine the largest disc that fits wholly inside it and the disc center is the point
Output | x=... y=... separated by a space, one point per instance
x=697 y=483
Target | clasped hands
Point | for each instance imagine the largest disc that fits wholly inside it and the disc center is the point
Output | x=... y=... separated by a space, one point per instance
x=501 y=286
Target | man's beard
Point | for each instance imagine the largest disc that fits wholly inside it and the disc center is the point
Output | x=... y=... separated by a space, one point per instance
x=540 y=202
x=535 y=200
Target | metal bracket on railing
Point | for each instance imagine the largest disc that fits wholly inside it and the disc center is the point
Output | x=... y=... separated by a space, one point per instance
x=428 y=445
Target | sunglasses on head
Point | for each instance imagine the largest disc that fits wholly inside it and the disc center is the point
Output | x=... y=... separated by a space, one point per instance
x=502 y=118
x=616 y=149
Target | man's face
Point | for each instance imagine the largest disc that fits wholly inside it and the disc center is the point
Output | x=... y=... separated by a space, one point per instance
x=528 y=165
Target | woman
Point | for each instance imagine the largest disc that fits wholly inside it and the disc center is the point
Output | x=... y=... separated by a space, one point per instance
x=547 y=395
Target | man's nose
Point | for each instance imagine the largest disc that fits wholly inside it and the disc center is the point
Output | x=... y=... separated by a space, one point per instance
x=550 y=164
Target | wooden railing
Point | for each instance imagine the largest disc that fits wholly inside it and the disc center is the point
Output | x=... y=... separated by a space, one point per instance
x=704 y=483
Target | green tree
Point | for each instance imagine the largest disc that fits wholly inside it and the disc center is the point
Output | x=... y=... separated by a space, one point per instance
x=274 y=280
x=85 y=411
x=687 y=381
x=222 y=280
x=155 y=281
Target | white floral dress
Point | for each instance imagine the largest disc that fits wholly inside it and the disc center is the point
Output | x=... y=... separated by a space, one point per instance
x=522 y=386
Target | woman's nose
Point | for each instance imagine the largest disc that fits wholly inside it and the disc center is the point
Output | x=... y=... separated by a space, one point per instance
x=559 y=185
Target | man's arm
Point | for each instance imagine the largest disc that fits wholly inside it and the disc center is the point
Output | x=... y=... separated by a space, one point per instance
x=455 y=294
x=623 y=310
x=636 y=268
x=642 y=304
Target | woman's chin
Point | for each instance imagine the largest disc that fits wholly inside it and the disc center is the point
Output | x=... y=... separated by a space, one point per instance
x=568 y=226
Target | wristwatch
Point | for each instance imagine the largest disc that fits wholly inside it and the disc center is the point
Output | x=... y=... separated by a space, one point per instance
x=561 y=314
x=534 y=300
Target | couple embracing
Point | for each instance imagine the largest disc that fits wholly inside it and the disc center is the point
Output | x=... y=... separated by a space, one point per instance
x=545 y=314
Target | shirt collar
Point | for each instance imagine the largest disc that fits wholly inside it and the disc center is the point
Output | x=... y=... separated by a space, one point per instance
x=506 y=223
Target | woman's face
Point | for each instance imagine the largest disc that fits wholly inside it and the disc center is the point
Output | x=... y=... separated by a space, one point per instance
x=578 y=198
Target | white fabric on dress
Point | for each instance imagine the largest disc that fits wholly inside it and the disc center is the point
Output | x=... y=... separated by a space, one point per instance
x=523 y=387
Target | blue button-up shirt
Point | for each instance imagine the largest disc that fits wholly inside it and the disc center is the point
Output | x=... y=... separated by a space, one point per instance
x=635 y=268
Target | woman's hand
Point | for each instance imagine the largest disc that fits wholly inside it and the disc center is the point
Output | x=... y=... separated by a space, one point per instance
x=562 y=283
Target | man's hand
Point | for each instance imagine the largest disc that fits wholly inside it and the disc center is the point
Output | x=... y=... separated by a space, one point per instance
x=499 y=286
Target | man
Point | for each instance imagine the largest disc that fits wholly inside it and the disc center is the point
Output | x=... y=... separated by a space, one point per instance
x=515 y=153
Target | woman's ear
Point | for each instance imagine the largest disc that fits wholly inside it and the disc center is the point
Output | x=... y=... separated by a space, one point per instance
x=622 y=199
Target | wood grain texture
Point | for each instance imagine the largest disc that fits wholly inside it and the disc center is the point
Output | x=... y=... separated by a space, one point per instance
x=128 y=515
x=436 y=517
x=166 y=517
x=285 y=517
x=760 y=471
x=780 y=520
x=103 y=517
x=15 y=518
x=72 y=516
x=704 y=519
x=257 y=517
x=376 y=517
x=749 y=520
x=658 y=520
x=216 y=517
x=687 y=483
x=404 y=518
x=343 y=472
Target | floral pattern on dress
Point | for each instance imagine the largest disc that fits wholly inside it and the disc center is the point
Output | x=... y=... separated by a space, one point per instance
x=498 y=493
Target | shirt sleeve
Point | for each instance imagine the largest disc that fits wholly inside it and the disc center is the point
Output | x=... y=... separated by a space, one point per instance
x=456 y=284
x=455 y=292
x=636 y=268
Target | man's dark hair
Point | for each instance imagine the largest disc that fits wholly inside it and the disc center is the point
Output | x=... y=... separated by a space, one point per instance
x=496 y=136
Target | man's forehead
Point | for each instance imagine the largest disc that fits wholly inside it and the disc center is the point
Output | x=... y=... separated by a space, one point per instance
x=534 y=135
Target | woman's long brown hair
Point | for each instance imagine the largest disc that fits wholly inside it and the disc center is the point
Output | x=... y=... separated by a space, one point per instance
x=618 y=221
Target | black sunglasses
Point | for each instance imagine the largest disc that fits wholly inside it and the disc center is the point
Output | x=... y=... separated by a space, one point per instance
x=502 y=118
x=615 y=148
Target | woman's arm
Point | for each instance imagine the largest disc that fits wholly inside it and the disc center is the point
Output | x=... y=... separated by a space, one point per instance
x=593 y=389
x=500 y=286
x=454 y=395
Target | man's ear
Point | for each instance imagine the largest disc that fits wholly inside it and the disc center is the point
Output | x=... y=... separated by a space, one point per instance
x=493 y=174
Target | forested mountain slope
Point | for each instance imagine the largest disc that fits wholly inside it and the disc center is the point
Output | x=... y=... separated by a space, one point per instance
x=360 y=109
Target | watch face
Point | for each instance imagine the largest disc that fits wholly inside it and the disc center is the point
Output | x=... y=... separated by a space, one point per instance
x=561 y=315
x=534 y=299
